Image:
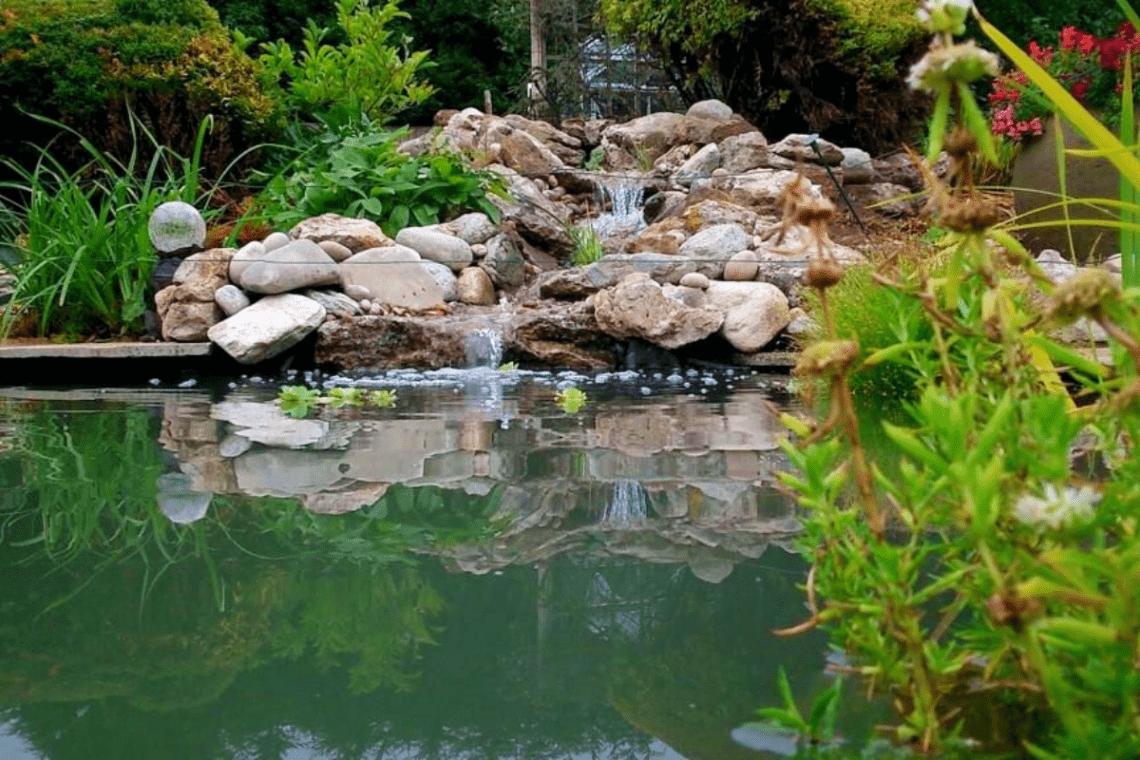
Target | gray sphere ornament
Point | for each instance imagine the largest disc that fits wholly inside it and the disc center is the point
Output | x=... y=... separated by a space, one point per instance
x=175 y=226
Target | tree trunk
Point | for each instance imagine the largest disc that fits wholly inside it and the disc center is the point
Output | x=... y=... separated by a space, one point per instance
x=536 y=88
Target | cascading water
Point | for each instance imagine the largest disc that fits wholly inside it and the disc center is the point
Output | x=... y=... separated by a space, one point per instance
x=484 y=348
x=629 y=504
x=624 y=216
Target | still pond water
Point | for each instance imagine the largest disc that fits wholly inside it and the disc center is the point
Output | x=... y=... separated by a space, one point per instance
x=472 y=573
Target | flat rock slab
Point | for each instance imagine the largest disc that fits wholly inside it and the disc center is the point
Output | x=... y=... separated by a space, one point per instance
x=104 y=350
x=268 y=327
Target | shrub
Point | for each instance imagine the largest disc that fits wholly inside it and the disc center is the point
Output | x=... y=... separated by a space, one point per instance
x=365 y=74
x=358 y=171
x=85 y=63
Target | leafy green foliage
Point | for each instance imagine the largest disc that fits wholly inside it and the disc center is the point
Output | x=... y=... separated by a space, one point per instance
x=365 y=74
x=817 y=727
x=994 y=570
x=361 y=173
x=587 y=245
x=83 y=254
x=83 y=63
x=572 y=400
x=299 y=401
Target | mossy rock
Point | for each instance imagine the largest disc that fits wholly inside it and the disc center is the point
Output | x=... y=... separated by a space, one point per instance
x=89 y=63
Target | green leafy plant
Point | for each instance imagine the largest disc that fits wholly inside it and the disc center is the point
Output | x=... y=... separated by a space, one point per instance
x=587 y=245
x=813 y=730
x=508 y=366
x=299 y=401
x=986 y=583
x=360 y=172
x=365 y=75
x=572 y=400
x=84 y=258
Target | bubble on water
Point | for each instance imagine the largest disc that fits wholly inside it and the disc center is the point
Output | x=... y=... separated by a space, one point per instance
x=176 y=225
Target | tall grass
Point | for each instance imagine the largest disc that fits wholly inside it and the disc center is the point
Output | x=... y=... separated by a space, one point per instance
x=83 y=256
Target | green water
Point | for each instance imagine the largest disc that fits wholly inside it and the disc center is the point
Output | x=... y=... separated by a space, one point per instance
x=471 y=574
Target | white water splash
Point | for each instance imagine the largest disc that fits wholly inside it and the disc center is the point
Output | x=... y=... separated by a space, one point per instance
x=624 y=217
x=629 y=504
x=484 y=348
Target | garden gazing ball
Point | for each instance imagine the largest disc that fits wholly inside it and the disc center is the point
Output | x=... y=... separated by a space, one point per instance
x=176 y=225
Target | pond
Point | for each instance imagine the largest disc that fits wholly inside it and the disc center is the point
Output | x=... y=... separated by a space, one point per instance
x=471 y=573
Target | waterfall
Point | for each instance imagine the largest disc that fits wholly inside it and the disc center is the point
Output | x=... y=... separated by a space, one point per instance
x=484 y=348
x=629 y=504
x=624 y=216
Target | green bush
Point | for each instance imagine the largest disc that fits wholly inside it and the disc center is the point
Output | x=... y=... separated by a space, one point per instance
x=84 y=62
x=358 y=171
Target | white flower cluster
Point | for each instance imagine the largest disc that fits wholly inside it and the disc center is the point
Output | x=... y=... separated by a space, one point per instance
x=1057 y=507
x=942 y=67
x=945 y=16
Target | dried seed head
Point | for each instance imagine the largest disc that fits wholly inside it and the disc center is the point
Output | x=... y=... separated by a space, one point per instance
x=970 y=213
x=1083 y=295
x=827 y=357
x=823 y=272
x=813 y=212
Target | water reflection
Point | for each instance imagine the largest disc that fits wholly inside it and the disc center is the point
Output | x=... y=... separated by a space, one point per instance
x=198 y=577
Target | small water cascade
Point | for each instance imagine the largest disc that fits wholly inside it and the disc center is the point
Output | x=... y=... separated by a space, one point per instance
x=629 y=504
x=484 y=348
x=626 y=198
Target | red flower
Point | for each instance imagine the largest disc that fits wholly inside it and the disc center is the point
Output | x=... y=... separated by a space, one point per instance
x=1127 y=32
x=1087 y=44
x=1080 y=89
x=1069 y=37
x=1112 y=52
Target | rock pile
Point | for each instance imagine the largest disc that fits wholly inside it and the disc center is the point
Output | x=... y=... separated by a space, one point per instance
x=707 y=258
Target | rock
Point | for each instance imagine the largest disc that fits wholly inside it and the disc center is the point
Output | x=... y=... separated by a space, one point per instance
x=296 y=265
x=785 y=266
x=559 y=335
x=335 y=250
x=231 y=299
x=341 y=502
x=713 y=110
x=268 y=327
x=899 y=169
x=535 y=218
x=354 y=234
x=359 y=293
x=703 y=131
x=567 y=147
x=742 y=153
x=473 y=228
x=694 y=298
x=1056 y=265
x=797 y=147
x=381 y=342
x=436 y=245
x=637 y=308
x=475 y=287
x=701 y=165
x=1114 y=263
x=445 y=278
x=336 y=303
x=265 y=423
x=393 y=278
x=673 y=159
x=857 y=167
x=178 y=500
x=753 y=312
x=695 y=280
x=504 y=262
x=275 y=240
x=187 y=307
x=661 y=205
x=707 y=213
x=710 y=248
x=801 y=324
x=884 y=198
x=249 y=253
x=520 y=150
x=763 y=188
x=642 y=139
x=742 y=266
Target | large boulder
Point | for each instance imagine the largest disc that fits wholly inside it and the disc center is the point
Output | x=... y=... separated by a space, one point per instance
x=753 y=312
x=473 y=228
x=187 y=307
x=475 y=287
x=436 y=245
x=559 y=334
x=296 y=265
x=504 y=262
x=268 y=327
x=710 y=248
x=798 y=147
x=520 y=150
x=382 y=342
x=641 y=140
x=562 y=144
x=744 y=152
x=699 y=166
x=764 y=188
x=354 y=234
x=637 y=308
x=534 y=217
x=394 y=277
